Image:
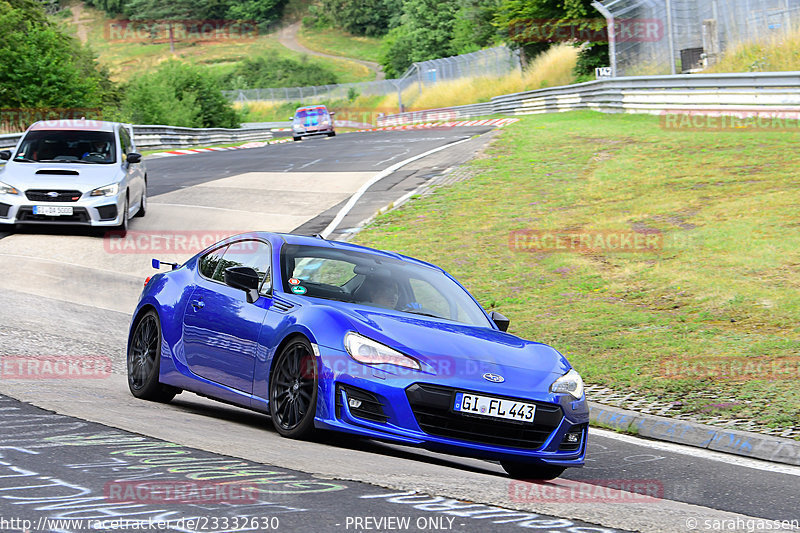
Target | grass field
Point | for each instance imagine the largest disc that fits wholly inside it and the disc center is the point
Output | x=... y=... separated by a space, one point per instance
x=126 y=58
x=673 y=322
x=340 y=43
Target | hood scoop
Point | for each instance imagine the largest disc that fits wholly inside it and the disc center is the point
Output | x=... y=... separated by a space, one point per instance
x=58 y=172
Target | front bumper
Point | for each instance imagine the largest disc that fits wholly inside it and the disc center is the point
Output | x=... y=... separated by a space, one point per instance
x=102 y=211
x=416 y=410
x=308 y=132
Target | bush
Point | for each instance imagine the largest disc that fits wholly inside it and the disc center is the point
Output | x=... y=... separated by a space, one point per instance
x=271 y=70
x=178 y=94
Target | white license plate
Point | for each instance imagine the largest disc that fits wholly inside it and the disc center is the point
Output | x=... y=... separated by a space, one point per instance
x=494 y=407
x=51 y=210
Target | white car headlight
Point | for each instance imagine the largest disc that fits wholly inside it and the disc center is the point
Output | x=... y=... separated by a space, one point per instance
x=5 y=188
x=297 y=126
x=570 y=383
x=108 y=190
x=371 y=352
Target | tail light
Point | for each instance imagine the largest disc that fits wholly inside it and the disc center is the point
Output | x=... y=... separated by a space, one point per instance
x=147 y=280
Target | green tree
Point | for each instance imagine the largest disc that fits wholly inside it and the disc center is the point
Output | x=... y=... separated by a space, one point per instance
x=178 y=94
x=43 y=67
x=271 y=70
x=515 y=19
x=362 y=17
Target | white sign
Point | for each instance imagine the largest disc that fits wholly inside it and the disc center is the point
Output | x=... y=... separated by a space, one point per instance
x=602 y=72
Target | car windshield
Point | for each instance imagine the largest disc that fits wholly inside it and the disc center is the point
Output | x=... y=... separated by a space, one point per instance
x=376 y=281
x=310 y=113
x=67 y=146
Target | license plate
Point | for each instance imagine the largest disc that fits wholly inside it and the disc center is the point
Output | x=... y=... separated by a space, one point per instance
x=51 y=210
x=494 y=407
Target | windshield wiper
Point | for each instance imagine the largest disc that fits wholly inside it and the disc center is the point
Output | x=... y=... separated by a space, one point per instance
x=414 y=312
x=62 y=161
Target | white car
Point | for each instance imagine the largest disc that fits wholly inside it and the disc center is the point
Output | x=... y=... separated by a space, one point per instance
x=77 y=172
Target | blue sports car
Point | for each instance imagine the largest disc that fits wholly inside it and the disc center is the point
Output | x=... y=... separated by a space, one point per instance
x=328 y=335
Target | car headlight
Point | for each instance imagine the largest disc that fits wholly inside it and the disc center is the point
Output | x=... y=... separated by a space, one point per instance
x=370 y=352
x=297 y=126
x=570 y=383
x=108 y=190
x=5 y=188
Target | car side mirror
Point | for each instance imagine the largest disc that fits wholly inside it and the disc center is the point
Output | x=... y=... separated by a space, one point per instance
x=5 y=155
x=499 y=320
x=332 y=113
x=244 y=278
x=133 y=157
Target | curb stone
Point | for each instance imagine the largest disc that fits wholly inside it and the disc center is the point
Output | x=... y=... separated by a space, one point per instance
x=744 y=443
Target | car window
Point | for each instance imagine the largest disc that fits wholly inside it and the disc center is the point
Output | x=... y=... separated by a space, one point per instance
x=427 y=297
x=209 y=262
x=124 y=141
x=250 y=253
x=67 y=146
x=377 y=281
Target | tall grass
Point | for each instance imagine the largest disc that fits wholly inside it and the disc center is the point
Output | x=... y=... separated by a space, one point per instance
x=552 y=68
x=778 y=52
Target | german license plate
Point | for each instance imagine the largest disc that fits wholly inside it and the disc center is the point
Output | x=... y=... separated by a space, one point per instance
x=52 y=211
x=494 y=407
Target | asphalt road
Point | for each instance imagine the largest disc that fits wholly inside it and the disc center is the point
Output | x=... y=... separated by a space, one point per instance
x=65 y=292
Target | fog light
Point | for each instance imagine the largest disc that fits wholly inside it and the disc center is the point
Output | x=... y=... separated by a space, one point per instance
x=572 y=438
x=355 y=404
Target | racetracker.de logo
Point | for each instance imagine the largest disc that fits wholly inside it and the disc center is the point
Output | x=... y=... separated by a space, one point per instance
x=55 y=367
x=164 y=31
x=182 y=241
x=181 y=492
x=731 y=120
x=583 y=30
x=588 y=491
x=623 y=241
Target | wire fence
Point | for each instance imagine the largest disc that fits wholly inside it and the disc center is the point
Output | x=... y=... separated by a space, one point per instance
x=492 y=62
x=690 y=35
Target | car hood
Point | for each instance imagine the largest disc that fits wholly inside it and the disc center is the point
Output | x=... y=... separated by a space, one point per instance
x=451 y=350
x=52 y=175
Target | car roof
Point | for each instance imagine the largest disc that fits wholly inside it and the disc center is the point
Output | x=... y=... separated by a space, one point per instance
x=305 y=240
x=74 y=124
x=305 y=108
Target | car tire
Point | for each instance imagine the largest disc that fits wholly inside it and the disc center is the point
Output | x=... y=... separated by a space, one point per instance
x=531 y=471
x=144 y=361
x=332 y=134
x=293 y=390
x=143 y=204
x=123 y=226
x=296 y=138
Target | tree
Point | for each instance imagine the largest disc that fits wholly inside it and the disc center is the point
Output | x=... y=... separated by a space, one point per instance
x=363 y=17
x=178 y=94
x=170 y=11
x=43 y=67
x=531 y=25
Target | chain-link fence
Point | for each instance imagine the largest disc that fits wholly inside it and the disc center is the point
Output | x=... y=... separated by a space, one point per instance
x=492 y=62
x=669 y=36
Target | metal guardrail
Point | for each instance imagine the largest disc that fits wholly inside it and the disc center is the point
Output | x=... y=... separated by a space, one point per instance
x=154 y=137
x=719 y=93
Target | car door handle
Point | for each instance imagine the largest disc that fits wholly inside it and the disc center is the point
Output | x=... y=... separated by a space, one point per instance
x=198 y=304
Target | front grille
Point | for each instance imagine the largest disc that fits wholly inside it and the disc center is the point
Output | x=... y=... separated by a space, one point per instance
x=44 y=196
x=79 y=216
x=4 y=208
x=432 y=407
x=370 y=407
x=107 y=212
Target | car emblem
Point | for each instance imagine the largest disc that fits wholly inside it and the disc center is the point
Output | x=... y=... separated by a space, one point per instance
x=494 y=378
x=52 y=194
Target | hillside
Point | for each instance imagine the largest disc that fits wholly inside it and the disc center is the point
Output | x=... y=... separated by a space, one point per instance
x=125 y=58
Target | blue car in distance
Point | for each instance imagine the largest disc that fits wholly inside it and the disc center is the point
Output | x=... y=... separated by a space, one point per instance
x=325 y=335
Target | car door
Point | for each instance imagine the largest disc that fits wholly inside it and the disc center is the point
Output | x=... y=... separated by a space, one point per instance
x=220 y=328
x=134 y=174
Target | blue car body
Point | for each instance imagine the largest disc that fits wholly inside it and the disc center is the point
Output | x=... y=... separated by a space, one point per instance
x=225 y=349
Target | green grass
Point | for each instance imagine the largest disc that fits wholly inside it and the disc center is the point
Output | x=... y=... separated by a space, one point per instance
x=340 y=43
x=724 y=284
x=126 y=59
